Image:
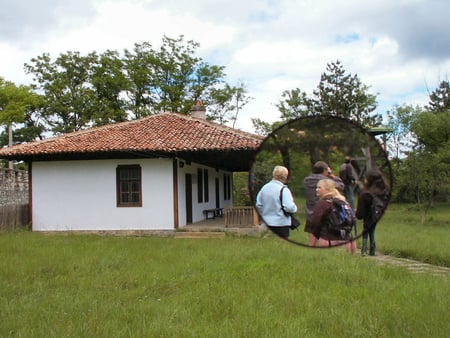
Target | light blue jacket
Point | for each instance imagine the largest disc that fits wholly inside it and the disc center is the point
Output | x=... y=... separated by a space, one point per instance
x=269 y=206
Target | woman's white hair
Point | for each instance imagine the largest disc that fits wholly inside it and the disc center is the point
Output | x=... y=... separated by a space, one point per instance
x=280 y=172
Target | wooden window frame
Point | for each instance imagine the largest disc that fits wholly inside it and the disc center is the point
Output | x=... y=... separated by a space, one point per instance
x=130 y=182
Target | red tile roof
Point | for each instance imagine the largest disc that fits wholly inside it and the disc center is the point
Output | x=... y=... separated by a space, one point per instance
x=168 y=133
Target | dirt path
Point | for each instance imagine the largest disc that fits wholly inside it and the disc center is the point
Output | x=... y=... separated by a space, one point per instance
x=411 y=265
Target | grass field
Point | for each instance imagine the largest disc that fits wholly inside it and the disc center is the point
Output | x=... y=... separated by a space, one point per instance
x=105 y=286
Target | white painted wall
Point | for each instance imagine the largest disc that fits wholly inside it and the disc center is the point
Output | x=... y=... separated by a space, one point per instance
x=197 y=212
x=81 y=195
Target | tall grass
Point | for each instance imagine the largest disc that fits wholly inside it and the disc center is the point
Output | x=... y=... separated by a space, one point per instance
x=400 y=233
x=104 y=286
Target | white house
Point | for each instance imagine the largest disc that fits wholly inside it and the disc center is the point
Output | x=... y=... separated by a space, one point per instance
x=156 y=173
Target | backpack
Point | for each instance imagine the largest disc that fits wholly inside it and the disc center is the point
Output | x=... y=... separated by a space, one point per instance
x=376 y=210
x=341 y=218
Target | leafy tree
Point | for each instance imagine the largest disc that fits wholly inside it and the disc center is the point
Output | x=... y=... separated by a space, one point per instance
x=432 y=130
x=82 y=91
x=295 y=103
x=338 y=94
x=227 y=102
x=109 y=82
x=18 y=106
x=182 y=78
x=67 y=87
x=423 y=175
x=401 y=140
x=138 y=66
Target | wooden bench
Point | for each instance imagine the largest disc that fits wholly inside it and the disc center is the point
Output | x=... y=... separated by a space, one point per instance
x=213 y=213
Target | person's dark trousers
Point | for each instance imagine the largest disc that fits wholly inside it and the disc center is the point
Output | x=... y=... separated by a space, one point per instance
x=369 y=234
x=349 y=195
x=281 y=231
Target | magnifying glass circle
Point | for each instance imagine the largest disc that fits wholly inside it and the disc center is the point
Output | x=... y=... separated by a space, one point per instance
x=301 y=142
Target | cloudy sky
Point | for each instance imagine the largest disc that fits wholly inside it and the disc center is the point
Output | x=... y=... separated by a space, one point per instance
x=401 y=48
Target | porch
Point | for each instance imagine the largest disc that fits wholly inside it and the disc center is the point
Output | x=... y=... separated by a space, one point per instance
x=238 y=220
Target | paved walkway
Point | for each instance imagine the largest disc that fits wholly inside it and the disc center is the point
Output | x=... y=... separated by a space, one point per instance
x=411 y=265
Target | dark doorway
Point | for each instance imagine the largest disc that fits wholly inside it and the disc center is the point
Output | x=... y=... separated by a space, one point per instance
x=188 y=198
x=217 y=193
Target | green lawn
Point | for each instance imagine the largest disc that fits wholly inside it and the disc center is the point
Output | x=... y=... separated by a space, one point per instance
x=106 y=286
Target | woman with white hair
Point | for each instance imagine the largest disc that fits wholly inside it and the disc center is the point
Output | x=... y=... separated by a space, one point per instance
x=268 y=203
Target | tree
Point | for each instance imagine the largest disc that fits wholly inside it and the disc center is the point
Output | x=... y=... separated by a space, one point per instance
x=109 y=82
x=83 y=91
x=440 y=98
x=423 y=174
x=227 y=102
x=17 y=105
x=338 y=94
x=169 y=79
x=399 y=120
x=295 y=103
x=138 y=67
x=67 y=88
x=181 y=78
x=344 y=95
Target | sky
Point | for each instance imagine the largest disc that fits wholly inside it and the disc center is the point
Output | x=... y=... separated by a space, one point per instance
x=400 y=49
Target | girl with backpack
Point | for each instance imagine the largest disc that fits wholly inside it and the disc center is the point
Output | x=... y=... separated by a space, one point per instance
x=372 y=203
x=323 y=234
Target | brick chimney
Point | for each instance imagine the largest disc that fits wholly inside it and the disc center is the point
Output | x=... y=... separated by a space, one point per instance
x=198 y=110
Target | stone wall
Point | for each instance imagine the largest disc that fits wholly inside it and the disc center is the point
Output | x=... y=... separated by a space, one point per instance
x=13 y=187
x=14 y=199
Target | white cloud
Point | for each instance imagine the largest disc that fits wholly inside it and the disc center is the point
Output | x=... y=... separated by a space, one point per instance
x=397 y=48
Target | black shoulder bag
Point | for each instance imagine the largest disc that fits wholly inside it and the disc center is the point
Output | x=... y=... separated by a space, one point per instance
x=295 y=223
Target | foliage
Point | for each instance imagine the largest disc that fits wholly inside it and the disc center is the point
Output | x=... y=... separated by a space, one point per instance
x=227 y=102
x=338 y=94
x=422 y=168
x=83 y=91
x=440 y=97
x=19 y=105
x=241 y=196
x=401 y=139
x=65 y=83
x=108 y=82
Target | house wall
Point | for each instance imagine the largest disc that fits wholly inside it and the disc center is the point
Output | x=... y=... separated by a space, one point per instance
x=197 y=212
x=81 y=195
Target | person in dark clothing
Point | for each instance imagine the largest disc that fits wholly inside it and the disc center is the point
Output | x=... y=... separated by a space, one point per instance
x=347 y=175
x=375 y=185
